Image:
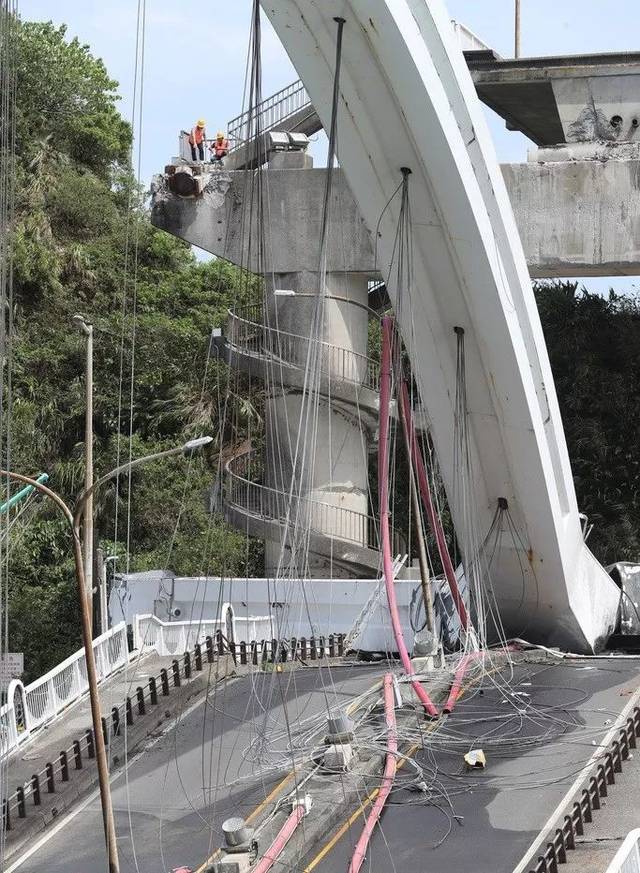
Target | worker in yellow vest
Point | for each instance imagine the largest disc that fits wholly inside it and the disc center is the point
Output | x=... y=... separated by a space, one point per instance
x=219 y=147
x=197 y=139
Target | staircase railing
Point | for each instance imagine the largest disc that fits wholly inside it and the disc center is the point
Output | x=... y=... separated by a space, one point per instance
x=262 y=501
x=246 y=332
x=268 y=114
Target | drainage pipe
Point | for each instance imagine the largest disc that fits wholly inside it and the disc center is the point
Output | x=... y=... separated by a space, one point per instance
x=383 y=500
x=388 y=777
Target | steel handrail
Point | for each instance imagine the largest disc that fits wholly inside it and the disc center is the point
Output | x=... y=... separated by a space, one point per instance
x=263 y=501
x=254 y=337
x=271 y=111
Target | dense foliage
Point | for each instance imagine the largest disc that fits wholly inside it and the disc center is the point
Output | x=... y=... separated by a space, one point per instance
x=81 y=237
x=594 y=346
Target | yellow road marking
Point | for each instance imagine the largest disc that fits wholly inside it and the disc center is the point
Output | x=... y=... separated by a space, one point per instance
x=354 y=816
x=256 y=812
x=324 y=851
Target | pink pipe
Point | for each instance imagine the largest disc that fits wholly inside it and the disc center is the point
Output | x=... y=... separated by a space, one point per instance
x=383 y=500
x=456 y=685
x=284 y=835
x=432 y=515
x=388 y=777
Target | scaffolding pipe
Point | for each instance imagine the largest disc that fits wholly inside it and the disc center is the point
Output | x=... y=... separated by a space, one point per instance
x=383 y=500
x=360 y=851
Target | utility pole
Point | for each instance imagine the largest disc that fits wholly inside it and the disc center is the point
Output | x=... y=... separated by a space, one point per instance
x=516 y=53
x=81 y=324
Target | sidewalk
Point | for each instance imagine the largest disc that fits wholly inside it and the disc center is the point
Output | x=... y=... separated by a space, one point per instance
x=60 y=783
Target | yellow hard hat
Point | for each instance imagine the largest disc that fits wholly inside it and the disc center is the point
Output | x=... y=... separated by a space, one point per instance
x=201 y=123
x=219 y=135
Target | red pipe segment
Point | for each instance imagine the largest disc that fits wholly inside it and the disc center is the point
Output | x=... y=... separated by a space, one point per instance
x=456 y=685
x=383 y=500
x=282 y=838
x=461 y=670
x=432 y=515
x=388 y=778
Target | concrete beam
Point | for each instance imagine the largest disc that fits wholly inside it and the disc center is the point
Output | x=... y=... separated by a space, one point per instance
x=217 y=221
x=562 y=99
x=576 y=218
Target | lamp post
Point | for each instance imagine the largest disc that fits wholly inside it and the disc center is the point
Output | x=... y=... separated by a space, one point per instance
x=516 y=52
x=74 y=521
x=82 y=325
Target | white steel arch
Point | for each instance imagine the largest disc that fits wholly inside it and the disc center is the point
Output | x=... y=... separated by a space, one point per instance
x=407 y=100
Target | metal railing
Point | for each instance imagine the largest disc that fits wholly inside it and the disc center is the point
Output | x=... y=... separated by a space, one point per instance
x=31 y=706
x=153 y=693
x=176 y=637
x=271 y=112
x=264 y=502
x=467 y=39
x=246 y=332
x=590 y=799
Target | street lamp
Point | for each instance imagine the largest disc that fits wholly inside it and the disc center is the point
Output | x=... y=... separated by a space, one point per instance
x=81 y=324
x=85 y=614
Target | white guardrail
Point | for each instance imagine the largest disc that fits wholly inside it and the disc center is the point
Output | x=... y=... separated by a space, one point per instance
x=28 y=707
x=171 y=637
x=627 y=858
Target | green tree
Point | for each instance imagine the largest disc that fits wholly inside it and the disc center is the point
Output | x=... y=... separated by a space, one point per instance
x=83 y=242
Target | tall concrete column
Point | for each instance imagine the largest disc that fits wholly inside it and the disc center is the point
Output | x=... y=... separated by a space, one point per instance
x=315 y=441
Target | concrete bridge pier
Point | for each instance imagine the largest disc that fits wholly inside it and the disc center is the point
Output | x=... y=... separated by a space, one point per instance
x=316 y=445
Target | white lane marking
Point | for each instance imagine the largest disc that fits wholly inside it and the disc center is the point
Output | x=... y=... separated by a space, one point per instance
x=51 y=832
x=551 y=822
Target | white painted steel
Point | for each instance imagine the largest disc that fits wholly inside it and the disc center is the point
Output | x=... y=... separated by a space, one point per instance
x=627 y=858
x=407 y=100
x=467 y=40
x=32 y=706
x=282 y=609
x=177 y=637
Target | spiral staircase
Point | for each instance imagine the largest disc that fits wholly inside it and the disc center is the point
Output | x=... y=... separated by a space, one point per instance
x=344 y=539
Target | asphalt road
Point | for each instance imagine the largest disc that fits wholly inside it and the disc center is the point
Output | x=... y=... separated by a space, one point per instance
x=169 y=810
x=167 y=813
x=503 y=807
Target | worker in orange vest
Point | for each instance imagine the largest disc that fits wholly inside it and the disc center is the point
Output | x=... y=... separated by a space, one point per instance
x=197 y=139
x=219 y=147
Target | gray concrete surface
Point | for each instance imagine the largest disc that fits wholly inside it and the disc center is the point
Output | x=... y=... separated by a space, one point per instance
x=503 y=807
x=620 y=813
x=576 y=218
x=169 y=811
x=562 y=99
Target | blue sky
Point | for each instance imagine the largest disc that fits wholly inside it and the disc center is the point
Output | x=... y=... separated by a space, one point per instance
x=196 y=52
